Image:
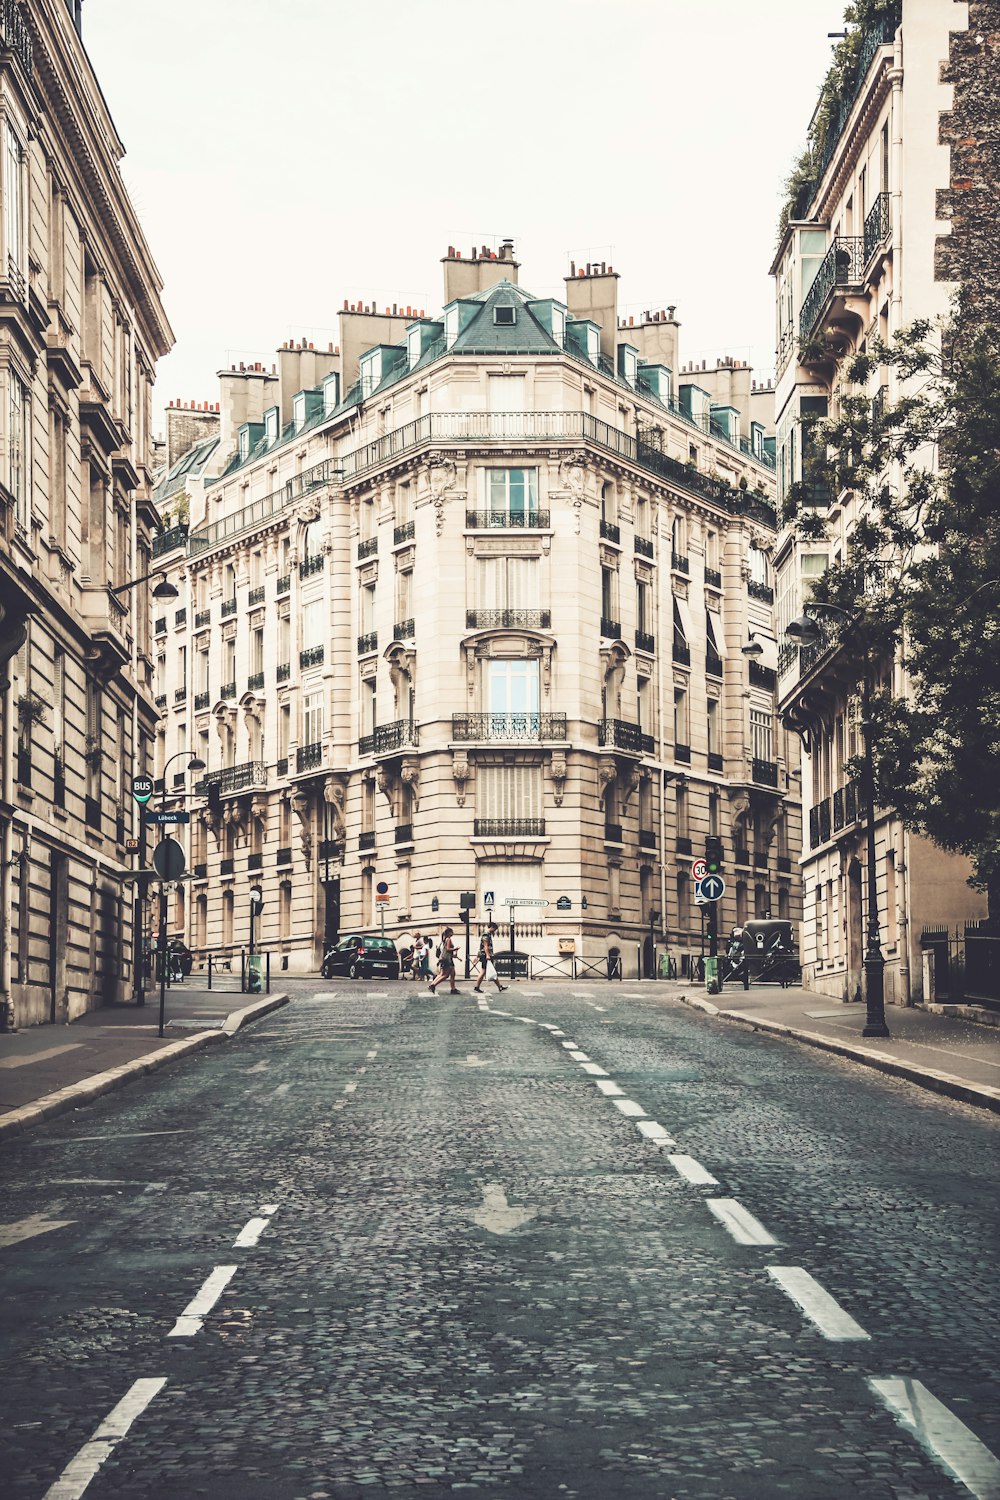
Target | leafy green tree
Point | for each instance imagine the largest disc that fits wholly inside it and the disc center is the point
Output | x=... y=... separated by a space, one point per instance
x=922 y=579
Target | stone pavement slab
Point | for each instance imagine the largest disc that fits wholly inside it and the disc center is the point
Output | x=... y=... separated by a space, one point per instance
x=941 y=1052
x=45 y=1070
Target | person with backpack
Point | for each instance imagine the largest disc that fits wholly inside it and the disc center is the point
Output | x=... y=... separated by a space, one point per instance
x=446 y=963
x=485 y=961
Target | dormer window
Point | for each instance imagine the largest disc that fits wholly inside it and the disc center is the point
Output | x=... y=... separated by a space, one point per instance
x=558 y=324
x=505 y=316
x=413 y=347
x=371 y=372
x=298 y=411
x=271 y=425
x=244 y=443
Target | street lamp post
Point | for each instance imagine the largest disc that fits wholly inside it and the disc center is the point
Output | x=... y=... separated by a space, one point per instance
x=195 y=763
x=804 y=631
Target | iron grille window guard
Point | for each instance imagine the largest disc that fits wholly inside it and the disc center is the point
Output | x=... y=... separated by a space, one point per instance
x=763 y=676
x=610 y=532
x=226 y=867
x=228 y=608
x=312 y=656
x=369 y=547
x=644 y=546
x=679 y=562
x=644 y=641
x=611 y=629
x=613 y=833
x=647 y=838
x=500 y=520
x=180 y=694
x=621 y=734
x=227 y=690
x=403 y=833
x=180 y=616
x=684 y=845
x=507 y=619
x=160 y=701
x=403 y=630
x=843 y=265
x=851 y=803
x=713 y=578
x=161 y=625
x=368 y=643
x=282 y=766
x=284 y=671
x=715 y=761
x=308 y=757
x=762 y=591
x=765 y=771
x=310 y=565
x=242 y=778
x=284 y=583
x=202 y=617
x=256 y=596
x=819 y=823
x=713 y=664
x=255 y=862
x=787 y=654
x=404 y=533
x=509 y=828
x=467 y=728
x=682 y=653
x=682 y=753
x=255 y=682
x=366 y=744
x=284 y=855
x=367 y=840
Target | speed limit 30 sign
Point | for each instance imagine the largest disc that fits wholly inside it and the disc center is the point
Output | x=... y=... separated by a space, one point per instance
x=699 y=869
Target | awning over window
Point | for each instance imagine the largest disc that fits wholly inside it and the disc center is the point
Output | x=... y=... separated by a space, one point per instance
x=769 y=647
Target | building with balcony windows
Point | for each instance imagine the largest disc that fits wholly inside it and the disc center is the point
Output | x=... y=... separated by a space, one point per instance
x=83 y=327
x=866 y=250
x=466 y=601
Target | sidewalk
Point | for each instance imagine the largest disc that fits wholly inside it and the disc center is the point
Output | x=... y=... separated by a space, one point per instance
x=46 y=1070
x=941 y=1052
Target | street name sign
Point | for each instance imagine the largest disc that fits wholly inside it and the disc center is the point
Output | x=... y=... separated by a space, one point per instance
x=563 y=904
x=525 y=901
x=178 y=815
x=713 y=887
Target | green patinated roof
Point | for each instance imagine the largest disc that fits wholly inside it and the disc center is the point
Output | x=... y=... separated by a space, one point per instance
x=190 y=466
x=525 y=336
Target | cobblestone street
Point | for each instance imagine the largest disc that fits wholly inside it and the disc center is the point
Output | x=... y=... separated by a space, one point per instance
x=575 y=1242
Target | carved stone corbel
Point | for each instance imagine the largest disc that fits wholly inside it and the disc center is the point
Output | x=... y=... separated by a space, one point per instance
x=558 y=770
x=302 y=808
x=441 y=476
x=460 y=774
x=335 y=797
x=258 y=809
x=607 y=770
x=628 y=780
x=739 y=810
x=385 y=782
x=410 y=777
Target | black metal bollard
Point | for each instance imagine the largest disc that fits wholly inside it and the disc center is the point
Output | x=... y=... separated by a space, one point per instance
x=267 y=970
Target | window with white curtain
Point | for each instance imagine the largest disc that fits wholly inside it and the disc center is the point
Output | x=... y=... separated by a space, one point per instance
x=512 y=493
x=508 y=582
x=312 y=624
x=508 y=792
x=507 y=392
x=512 y=687
x=760 y=736
x=312 y=718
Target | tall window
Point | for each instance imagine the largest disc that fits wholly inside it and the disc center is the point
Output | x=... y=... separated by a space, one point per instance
x=609 y=503
x=18 y=450
x=13 y=200
x=312 y=718
x=609 y=595
x=367 y=619
x=681 y=735
x=229 y=656
x=643 y=705
x=404 y=595
x=508 y=582
x=760 y=735
x=368 y=804
x=712 y=725
x=257 y=651
x=681 y=809
x=284 y=730
x=509 y=793
x=312 y=624
x=643 y=618
x=512 y=494
x=512 y=687
x=507 y=393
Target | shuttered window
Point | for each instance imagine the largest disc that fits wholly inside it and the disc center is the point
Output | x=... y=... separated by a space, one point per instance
x=508 y=583
x=508 y=792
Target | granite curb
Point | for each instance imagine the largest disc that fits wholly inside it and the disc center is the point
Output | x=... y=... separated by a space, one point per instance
x=14 y=1121
x=928 y=1078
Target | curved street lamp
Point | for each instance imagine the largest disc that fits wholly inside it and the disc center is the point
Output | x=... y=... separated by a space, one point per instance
x=164 y=590
x=805 y=631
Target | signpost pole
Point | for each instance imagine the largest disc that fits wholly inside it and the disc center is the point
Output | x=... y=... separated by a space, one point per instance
x=163 y=952
x=510 y=909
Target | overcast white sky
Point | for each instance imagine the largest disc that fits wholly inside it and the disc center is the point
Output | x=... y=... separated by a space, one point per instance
x=286 y=154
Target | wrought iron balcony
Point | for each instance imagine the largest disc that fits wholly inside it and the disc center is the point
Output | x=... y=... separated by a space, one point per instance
x=180 y=615
x=160 y=701
x=819 y=823
x=228 y=608
x=308 y=757
x=385 y=739
x=180 y=694
x=787 y=654
x=644 y=546
x=490 y=520
x=202 y=618
x=509 y=828
x=284 y=671
x=314 y=564
x=713 y=578
x=679 y=562
x=166 y=541
x=681 y=653
x=367 y=840
x=762 y=591
x=160 y=628
x=368 y=643
x=243 y=778
x=763 y=676
x=403 y=630
x=843 y=265
x=403 y=833
x=507 y=619
x=368 y=547
x=647 y=838
x=610 y=629
x=281 y=768
x=610 y=532
x=715 y=761
x=312 y=656
x=255 y=862
x=255 y=682
x=644 y=641
x=620 y=734
x=227 y=690
x=845 y=806
x=682 y=753
x=876 y=225
x=284 y=583
x=469 y=728
x=764 y=771
x=613 y=833
x=256 y=596
x=713 y=664
x=404 y=533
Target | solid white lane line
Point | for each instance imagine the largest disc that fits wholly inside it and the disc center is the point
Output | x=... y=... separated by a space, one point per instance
x=654 y=1132
x=579 y=1056
x=193 y=1316
x=582 y=994
x=939 y=1431
x=80 y=1470
x=686 y=1166
x=594 y=1070
x=817 y=1304
x=377 y=995
x=606 y=1086
x=744 y=1228
x=629 y=1107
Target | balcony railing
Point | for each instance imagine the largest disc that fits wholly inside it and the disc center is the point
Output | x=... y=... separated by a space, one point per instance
x=180 y=616
x=226 y=866
x=367 y=840
x=620 y=734
x=647 y=838
x=202 y=618
x=284 y=671
x=509 y=828
x=227 y=690
x=284 y=583
x=180 y=694
x=312 y=656
x=845 y=806
x=713 y=664
x=713 y=578
x=281 y=767
x=610 y=532
x=256 y=596
x=160 y=701
x=610 y=629
x=284 y=855
x=679 y=562
x=314 y=564
x=764 y=771
x=763 y=677
x=787 y=653
x=255 y=862
x=643 y=546
x=500 y=520
x=400 y=734
x=819 y=823
x=243 y=778
x=507 y=619
x=762 y=591
x=468 y=728
x=403 y=833
x=255 y=682
x=166 y=541
x=228 y=608
x=257 y=512
x=876 y=225
x=613 y=833
x=308 y=757
x=681 y=653
x=843 y=265
x=368 y=547
x=644 y=641
x=404 y=533
x=682 y=753
x=368 y=643
x=715 y=761
x=403 y=630
x=877 y=36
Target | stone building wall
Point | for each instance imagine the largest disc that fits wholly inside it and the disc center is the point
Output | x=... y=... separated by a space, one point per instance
x=970 y=252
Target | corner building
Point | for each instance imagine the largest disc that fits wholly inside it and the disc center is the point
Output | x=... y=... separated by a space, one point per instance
x=466 y=599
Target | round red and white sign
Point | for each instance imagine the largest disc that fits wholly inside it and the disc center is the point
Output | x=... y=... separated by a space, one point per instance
x=699 y=869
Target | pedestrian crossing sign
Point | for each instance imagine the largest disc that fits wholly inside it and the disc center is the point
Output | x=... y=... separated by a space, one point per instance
x=488 y=898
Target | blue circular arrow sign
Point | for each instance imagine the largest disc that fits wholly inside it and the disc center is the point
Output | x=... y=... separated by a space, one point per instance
x=712 y=887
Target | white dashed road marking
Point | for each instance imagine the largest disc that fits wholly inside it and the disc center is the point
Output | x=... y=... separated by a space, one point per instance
x=744 y=1228
x=78 y=1473
x=27 y=1229
x=570 y=1046
x=942 y=1434
x=578 y=1056
x=594 y=1070
x=281 y=1090
x=629 y=1107
x=654 y=1132
x=692 y=1170
x=254 y=1228
x=606 y=1086
x=594 y=1006
x=817 y=1304
x=193 y=1316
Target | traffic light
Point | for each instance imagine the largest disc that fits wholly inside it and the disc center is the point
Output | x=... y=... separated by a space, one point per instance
x=214 y=797
x=713 y=854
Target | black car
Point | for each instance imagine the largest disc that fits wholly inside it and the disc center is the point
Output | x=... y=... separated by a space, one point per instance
x=362 y=957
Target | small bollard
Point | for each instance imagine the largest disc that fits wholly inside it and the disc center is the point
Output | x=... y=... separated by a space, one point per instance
x=267 y=971
x=210 y=971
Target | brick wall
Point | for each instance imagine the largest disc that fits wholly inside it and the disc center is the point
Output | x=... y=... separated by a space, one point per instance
x=971 y=252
